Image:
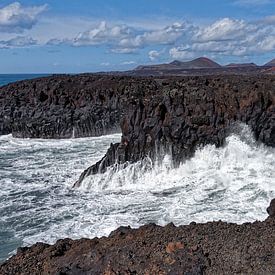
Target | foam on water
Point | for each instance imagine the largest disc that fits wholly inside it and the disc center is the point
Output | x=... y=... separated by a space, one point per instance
x=234 y=183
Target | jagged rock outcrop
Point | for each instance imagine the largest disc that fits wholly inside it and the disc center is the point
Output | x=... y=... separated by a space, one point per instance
x=61 y=107
x=210 y=248
x=176 y=115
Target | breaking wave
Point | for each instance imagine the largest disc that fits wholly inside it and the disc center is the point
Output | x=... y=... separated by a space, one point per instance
x=234 y=183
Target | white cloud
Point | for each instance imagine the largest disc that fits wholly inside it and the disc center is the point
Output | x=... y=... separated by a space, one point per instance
x=18 y=42
x=165 y=36
x=267 y=44
x=123 y=39
x=15 y=18
x=105 y=64
x=223 y=29
x=102 y=34
x=153 y=55
x=226 y=36
x=181 y=53
x=128 y=63
x=124 y=50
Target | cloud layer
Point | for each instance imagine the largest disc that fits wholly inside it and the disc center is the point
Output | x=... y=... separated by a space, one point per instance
x=180 y=40
x=226 y=36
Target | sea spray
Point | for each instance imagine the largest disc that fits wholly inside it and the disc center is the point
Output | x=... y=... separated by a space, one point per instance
x=234 y=183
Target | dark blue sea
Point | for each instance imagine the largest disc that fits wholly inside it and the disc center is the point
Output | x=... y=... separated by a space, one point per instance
x=9 y=78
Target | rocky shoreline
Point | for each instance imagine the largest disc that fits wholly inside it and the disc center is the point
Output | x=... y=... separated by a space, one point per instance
x=177 y=115
x=210 y=248
x=172 y=115
x=168 y=114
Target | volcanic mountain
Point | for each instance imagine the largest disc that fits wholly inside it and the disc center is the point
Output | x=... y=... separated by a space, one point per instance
x=198 y=63
x=271 y=63
x=239 y=65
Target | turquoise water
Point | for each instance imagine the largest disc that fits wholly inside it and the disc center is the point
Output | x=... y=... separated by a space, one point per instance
x=9 y=78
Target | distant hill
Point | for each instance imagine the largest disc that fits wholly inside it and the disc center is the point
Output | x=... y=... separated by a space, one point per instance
x=198 y=63
x=200 y=66
x=271 y=63
x=239 y=65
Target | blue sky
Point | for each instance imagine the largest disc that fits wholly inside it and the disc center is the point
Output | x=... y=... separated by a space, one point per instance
x=56 y=36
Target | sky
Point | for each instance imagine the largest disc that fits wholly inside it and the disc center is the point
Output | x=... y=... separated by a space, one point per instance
x=71 y=36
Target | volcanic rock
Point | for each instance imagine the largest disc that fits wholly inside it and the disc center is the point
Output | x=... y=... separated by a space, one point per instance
x=271 y=63
x=210 y=248
x=177 y=115
x=62 y=107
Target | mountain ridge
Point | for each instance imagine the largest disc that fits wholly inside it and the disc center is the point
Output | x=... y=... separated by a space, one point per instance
x=198 y=63
x=271 y=63
x=202 y=66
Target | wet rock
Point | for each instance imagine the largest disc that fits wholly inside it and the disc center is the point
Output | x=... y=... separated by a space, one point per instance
x=271 y=209
x=183 y=114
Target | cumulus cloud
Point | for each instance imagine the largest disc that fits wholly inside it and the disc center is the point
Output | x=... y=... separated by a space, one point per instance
x=224 y=29
x=124 y=39
x=15 y=18
x=102 y=34
x=18 y=42
x=165 y=36
x=153 y=55
x=225 y=36
x=228 y=37
x=182 y=40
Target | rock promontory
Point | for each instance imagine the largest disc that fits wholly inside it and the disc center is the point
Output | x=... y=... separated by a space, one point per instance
x=177 y=115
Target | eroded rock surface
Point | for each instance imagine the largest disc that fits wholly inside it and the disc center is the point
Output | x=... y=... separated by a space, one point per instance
x=171 y=114
x=62 y=107
x=211 y=248
x=176 y=115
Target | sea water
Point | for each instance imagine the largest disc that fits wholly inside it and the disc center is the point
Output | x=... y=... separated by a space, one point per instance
x=234 y=183
x=9 y=78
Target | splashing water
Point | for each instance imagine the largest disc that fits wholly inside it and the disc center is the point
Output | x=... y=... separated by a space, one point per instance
x=234 y=183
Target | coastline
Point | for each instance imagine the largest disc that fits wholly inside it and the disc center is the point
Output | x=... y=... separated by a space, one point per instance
x=178 y=113
x=210 y=248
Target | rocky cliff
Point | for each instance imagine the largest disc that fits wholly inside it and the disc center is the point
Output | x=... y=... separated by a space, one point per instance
x=173 y=115
x=61 y=107
x=177 y=115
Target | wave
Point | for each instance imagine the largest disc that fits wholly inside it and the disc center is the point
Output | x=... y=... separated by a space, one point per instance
x=234 y=183
x=217 y=183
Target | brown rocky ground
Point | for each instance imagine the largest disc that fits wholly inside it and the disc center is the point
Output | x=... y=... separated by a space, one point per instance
x=211 y=248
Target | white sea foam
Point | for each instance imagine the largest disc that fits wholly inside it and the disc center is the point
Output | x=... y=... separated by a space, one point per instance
x=234 y=183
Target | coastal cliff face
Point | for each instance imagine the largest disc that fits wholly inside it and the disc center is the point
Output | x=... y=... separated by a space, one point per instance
x=177 y=115
x=157 y=115
x=211 y=248
x=61 y=107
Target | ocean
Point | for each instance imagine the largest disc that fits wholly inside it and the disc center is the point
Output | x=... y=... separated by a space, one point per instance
x=9 y=78
x=38 y=204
